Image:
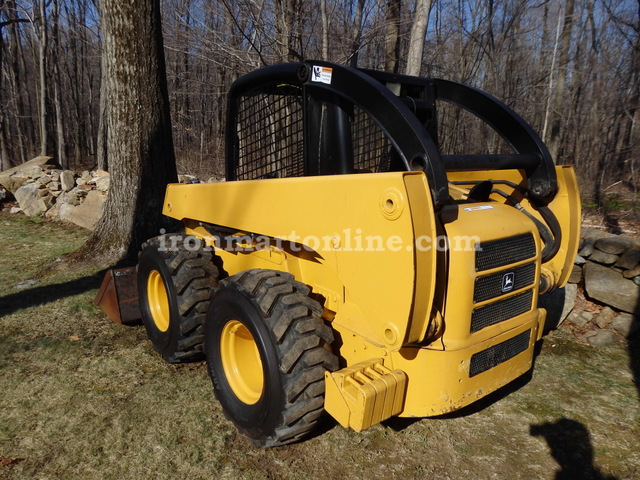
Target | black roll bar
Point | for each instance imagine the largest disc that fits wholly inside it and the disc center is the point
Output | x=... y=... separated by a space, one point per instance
x=414 y=138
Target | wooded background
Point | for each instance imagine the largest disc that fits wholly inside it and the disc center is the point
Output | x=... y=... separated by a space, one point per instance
x=569 y=67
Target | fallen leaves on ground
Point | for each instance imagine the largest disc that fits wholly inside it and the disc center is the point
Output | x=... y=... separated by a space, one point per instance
x=7 y=461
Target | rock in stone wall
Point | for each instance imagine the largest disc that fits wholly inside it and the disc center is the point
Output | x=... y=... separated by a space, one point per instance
x=34 y=199
x=609 y=287
x=86 y=213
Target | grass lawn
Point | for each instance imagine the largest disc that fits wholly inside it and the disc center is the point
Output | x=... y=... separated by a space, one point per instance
x=84 y=398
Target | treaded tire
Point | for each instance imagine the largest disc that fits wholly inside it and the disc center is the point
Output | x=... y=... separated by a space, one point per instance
x=293 y=345
x=188 y=278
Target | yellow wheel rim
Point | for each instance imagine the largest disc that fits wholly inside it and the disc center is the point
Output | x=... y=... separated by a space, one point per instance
x=241 y=362
x=158 y=301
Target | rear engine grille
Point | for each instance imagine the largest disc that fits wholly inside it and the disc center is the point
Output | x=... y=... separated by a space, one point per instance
x=493 y=285
x=504 y=251
x=500 y=311
x=500 y=353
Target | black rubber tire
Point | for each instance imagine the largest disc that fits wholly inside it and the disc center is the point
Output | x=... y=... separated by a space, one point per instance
x=189 y=278
x=294 y=347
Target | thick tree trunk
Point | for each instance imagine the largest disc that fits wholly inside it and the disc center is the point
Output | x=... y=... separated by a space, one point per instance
x=139 y=141
x=416 y=41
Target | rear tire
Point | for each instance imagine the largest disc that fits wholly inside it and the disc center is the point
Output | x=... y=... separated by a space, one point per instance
x=267 y=350
x=175 y=286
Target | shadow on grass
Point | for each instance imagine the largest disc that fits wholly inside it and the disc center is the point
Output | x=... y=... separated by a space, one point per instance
x=634 y=358
x=48 y=293
x=633 y=345
x=570 y=445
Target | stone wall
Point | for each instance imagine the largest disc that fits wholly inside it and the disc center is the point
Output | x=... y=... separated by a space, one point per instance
x=41 y=187
x=606 y=273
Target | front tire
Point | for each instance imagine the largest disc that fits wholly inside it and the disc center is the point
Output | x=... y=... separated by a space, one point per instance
x=267 y=349
x=175 y=286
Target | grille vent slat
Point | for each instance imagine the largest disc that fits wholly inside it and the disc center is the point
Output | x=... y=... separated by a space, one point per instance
x=500 y=311
x=504 y=251
x=500 y=353
x=490 y=286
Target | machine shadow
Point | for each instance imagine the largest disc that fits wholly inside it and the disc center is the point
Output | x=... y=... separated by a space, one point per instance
x=48 y=293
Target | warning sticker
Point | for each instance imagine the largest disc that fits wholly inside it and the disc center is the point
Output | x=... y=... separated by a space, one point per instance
x=321 y=74
x=478 y=207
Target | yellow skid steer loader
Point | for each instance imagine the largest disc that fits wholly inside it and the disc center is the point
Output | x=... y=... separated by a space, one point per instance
x=348 y=264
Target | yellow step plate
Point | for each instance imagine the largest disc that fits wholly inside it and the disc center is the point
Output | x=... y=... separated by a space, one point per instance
x=364 y=394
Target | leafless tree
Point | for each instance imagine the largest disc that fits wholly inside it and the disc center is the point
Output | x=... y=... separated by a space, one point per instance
x=569 y=67
x=416 y=41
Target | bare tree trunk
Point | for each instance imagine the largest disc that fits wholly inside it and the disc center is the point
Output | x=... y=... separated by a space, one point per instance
x=392 y=36
x=57 y=87
x=87 y=74
x=287 y=17
x=29 y=126
x=357 y=35
x=4 y=154
x=139 y=139
x=416 y=40
x=76 y=82
x=15 y=82
x=560 y=90
x=550 y=96
x=325 y=30
x=102 y=154
x=186 y=66
x=42 y=63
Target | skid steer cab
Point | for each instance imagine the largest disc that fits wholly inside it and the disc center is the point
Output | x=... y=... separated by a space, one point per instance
x=353 y=262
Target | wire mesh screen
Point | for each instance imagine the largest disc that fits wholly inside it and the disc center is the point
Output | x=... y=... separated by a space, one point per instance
x=270 y=134
x=371 y=147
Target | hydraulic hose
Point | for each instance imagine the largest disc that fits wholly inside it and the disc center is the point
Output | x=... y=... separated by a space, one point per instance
x=551 y=238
